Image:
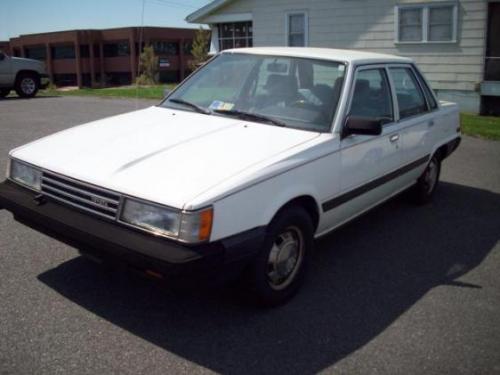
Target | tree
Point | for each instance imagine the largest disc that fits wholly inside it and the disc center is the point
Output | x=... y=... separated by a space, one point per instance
x=148 y=67
x=199 y=50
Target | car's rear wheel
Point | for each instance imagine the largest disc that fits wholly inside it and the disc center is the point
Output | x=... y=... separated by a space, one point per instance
x=427 y=183
x=27 y=85
x=4 y=92
x=278 y=271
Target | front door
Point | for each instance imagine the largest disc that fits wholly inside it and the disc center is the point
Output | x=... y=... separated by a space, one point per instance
x=366 y=160
x=490 y=100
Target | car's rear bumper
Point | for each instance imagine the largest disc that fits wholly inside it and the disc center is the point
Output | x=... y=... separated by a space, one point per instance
x=109 y=241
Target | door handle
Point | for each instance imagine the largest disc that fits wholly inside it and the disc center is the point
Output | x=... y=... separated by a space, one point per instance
x=430 y=123
x=394 y=138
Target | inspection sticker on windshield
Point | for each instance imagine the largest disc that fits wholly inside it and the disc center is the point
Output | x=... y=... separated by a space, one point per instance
x=225 y=106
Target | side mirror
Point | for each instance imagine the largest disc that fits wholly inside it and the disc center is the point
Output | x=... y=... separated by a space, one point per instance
x=166 y=92
x=362 y=125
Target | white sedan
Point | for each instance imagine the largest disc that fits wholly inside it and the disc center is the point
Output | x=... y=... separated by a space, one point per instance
x=241 y=167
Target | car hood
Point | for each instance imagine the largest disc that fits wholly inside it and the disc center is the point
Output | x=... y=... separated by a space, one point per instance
x=163 y=155
x=26 y=61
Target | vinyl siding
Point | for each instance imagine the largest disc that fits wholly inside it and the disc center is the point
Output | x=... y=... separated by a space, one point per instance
x=369 y=25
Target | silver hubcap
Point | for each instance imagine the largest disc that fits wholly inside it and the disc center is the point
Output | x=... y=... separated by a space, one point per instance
x=431 y=175
x=28 y=85
x=285 y=258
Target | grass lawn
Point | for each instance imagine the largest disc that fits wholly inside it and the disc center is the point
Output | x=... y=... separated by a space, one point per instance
x=142 y=92
x=480 y=126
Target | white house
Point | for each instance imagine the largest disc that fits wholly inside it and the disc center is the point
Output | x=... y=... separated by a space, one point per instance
x=455 y=43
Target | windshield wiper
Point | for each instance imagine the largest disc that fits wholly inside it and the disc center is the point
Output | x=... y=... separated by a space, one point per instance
x=196 y=107
x=252 y=116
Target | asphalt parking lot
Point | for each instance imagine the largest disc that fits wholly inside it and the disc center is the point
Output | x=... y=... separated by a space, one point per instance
x=403 y=290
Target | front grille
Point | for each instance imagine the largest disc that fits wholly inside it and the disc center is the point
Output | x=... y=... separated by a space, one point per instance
x=81 y=195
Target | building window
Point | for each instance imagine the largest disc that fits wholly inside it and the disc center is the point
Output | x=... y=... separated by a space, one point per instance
x=63 y=52
x=426 y=23
x=166 y=48
x=84 y=51
x=116 y=49
x=297 y=29
x=187 y=47
x=37 y=53
x=235 y=35
x=137 y=51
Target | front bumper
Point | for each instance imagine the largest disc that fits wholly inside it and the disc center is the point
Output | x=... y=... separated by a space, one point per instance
x=113 y=242
x=44 y=81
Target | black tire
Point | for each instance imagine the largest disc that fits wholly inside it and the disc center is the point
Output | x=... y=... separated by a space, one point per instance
x=4 y=92
x=423 y=190
x=27 y=85
x=293 y=225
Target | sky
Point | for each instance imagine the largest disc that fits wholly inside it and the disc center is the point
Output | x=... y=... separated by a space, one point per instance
x=37 y=16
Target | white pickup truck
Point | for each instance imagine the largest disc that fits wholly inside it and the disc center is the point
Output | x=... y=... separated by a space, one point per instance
x=25 y=76
x=241 y=167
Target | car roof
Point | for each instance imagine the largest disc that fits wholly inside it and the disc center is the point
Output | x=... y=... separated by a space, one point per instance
x=343 y=55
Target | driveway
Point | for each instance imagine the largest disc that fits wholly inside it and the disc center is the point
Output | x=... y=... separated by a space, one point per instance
x=403 y=290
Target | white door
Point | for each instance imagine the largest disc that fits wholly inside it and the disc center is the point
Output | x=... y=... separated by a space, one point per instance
x=5 y=68
x=367 y=161
x=416 y=117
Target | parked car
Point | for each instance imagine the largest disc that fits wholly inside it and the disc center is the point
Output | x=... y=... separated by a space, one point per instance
x=241 y=167
x=26 y=76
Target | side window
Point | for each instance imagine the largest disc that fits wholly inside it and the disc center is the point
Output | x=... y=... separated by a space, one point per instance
x=411 y=100
x=427 y=91
x=372 y=96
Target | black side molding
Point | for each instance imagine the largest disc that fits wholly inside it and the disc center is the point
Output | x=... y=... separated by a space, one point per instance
x=341 y=199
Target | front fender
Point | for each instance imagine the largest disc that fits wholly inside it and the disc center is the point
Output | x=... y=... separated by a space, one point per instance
x=256 y=206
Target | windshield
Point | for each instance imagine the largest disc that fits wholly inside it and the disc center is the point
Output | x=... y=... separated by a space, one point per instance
x=287 y=91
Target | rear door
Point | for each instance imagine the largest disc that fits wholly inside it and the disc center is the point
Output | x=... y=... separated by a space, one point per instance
x=416 y=114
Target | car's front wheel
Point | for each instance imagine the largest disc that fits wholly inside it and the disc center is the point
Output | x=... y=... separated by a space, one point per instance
x=278 y=271
x=27 y=85
x=4 y=92
x=426 y=185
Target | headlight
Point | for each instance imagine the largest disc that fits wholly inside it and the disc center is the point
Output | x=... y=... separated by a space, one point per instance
x=25 y=174
x=185 y=226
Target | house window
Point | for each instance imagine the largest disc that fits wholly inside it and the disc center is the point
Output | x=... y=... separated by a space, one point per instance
x=426 y=23
x=296 y=29
x=410 y=25
x=235 y=35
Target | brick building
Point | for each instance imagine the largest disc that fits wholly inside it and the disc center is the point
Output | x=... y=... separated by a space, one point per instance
x=105 y=57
